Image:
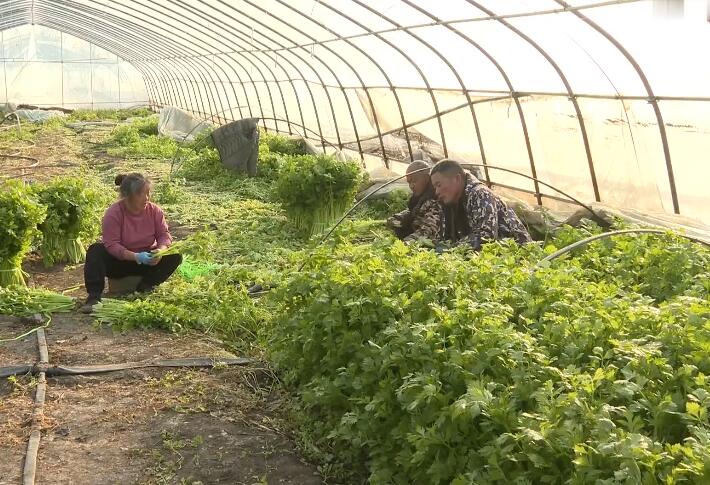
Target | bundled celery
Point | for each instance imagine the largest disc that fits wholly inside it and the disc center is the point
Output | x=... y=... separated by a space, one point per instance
x=210 y=303
x=316 y=190
x=111 y=311
x=20 y=212
x=73 y=216
x=22 y=301
x=174 y=248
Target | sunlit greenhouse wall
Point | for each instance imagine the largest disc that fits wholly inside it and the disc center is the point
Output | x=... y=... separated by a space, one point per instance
x=540 y=90
x=45 y=67
x=607 y=100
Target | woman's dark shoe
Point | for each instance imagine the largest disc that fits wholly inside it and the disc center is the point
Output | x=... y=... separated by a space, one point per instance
x=91 y=302
x=144 y=289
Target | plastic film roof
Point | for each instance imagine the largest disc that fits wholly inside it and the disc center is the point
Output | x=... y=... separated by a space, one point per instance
x=607 y=100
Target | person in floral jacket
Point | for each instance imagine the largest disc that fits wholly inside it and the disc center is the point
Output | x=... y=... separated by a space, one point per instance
x=473 y=214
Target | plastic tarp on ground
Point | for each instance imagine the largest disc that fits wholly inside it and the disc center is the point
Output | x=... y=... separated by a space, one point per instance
x=607 y=100
x=180 y=124
x=36 y=115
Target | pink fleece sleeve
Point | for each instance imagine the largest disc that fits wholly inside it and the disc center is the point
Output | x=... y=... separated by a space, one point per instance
x=111 y=232
x=162 y=234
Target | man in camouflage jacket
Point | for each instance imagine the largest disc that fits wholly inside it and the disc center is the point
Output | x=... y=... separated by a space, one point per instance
x=423 y=218
x=474 y=214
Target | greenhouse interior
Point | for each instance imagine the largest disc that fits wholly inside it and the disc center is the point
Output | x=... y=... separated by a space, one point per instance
x=355 y=241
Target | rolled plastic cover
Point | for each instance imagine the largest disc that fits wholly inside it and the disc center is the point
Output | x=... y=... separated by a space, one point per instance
x=181 y=125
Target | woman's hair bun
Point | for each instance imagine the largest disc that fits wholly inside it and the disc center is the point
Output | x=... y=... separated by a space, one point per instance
x=119 y=179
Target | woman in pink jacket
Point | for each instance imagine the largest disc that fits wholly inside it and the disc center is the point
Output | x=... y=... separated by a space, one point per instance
x=132 y=228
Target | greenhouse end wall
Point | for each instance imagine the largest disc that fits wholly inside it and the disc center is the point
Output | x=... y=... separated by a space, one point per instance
x=48 y=68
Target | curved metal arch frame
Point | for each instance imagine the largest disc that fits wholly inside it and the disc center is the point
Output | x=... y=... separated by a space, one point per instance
x=384 y=74
x=464 y=90
x=651 y=97
x=315 y=71
x=253 y=60
x=425 y=79
x=565 y=82
x=257 y=59
x=251 y=80
x=266 y=81
x=459 y=21
x=175 y=55
x=363 y=86
x=238 y=33
x=290 y=79
x=197 y=55
x=196 y=91
x=61 y=13
x=21 y=13
x=512 y=95
x=394 y=88
x=81 y=34
x=181 y=35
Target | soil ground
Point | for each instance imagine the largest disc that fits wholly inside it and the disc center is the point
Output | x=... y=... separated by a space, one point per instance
x=145 y=426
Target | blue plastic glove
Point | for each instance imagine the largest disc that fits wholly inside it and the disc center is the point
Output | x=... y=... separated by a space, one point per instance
x=144 y=258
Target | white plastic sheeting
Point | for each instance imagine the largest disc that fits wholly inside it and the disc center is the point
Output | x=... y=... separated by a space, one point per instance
x=180 y=125
x=45 y=67
x=580 y=91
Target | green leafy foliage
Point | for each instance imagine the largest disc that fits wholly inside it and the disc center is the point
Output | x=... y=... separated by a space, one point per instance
x=254 y=239
x=282 y=144
x=269 y=164
x=458 y=368
x=383 y=207
x=315 y=190
x=140 y=139
x=201 y=164
x=10 y=136
x=21 y=301
x=13 y=136
x=273 y=149
x=20 y=213
x=212 y=303
x=73 y=219
x=168 y=191
x=451 y=369
x=641 y=264
x=108 y=114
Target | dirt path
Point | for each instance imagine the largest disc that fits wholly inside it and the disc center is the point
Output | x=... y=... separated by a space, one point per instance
x=146 y=426
x=143 y=426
